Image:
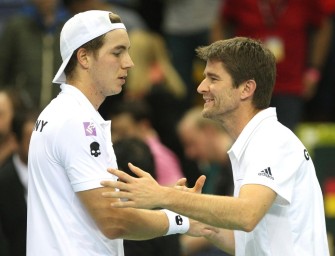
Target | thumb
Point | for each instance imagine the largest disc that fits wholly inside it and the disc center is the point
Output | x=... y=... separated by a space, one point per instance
x=199 y=184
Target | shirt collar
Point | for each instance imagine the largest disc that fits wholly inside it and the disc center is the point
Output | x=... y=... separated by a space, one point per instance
x=84 y=102
x=242 y=140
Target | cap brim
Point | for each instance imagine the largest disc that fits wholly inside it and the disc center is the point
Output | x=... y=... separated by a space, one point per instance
x=60 y=76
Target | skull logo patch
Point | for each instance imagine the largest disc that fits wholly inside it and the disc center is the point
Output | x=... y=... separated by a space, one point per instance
x=95 y=149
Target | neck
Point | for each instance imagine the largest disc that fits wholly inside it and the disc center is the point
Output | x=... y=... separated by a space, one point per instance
x=235 y=123
x=90 y=92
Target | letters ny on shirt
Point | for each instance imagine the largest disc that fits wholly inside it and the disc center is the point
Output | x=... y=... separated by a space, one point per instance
x=40 y=124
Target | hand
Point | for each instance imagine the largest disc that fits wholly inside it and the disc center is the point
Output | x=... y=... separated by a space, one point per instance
x=222 y=239
x=310 y=82
x=181 y=185
x=142 y=192
x=199 y=229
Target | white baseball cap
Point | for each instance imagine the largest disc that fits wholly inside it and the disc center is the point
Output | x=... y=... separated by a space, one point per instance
x=80 y=29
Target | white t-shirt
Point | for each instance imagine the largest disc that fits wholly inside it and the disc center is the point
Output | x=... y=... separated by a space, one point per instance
x=268 y=153
x=70 y=150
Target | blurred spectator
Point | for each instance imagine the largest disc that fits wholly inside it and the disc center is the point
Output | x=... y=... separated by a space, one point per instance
x=155 y=80
x=13 y=186
x=8 y=106
x=134 y=150
x=322 y=107
x=137 y=152
x=206 y=142
x=297 y=32
x=186 y=25
x=29 y=56
x=132 y=119
x=153 y=67
x=9 y=8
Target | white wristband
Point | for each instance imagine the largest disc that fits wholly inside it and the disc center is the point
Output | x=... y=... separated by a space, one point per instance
x=178 y=224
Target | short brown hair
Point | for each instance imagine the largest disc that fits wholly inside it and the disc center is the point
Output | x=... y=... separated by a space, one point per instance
x=93 y=46
x=244 y=59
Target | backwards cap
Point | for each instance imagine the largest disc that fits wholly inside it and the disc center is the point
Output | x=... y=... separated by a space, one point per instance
x=80 y=29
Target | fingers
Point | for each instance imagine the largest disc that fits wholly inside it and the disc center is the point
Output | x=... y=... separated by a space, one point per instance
x=123 y=204
x=115 y=184
x=139 y=172
x=120 y=174
x=199 y=184
x=183 y=188
x=126 y=177
x=116 y=194
x=181 y=182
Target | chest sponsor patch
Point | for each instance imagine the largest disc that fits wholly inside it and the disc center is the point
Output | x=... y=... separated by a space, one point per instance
x=89 y=129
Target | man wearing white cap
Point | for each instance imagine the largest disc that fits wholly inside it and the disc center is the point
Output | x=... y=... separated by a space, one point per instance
x=71 y=149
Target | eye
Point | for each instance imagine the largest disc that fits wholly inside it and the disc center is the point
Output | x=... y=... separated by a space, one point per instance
x=117 y=54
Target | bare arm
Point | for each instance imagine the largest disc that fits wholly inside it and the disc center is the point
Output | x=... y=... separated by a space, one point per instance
x=133 y=224
x=320 y=42
x=240 y=213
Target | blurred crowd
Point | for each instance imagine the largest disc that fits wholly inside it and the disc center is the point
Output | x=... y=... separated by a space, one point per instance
x=159 y=109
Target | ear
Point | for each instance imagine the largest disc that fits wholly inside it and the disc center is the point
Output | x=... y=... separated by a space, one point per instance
x=82 y=57
x=248 y=89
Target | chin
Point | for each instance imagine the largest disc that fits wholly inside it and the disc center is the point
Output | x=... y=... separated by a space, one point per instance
x=207 y=113
x=115 y=92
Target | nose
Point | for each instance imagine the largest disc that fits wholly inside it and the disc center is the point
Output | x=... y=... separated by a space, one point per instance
x=202 y=87
x=128 y=62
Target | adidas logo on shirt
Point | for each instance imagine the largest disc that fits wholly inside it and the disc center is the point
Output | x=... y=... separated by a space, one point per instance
x=267 y=173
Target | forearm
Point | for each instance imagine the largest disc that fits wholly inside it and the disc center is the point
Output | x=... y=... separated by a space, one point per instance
x=219 y=211
x=321 y=44
x=235 y=213
x=127 y=223
x=136 y=224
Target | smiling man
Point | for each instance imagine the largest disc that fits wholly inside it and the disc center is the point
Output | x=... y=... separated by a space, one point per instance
x=71 y=149
x=277 y=208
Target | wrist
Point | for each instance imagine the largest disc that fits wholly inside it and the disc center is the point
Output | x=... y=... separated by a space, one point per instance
x=178 y=224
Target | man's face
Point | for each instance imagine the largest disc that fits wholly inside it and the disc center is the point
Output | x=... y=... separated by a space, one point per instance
x=109 y=67
x=221 y=98
x=6 y=115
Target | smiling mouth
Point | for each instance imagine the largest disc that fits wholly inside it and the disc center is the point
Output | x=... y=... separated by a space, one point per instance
x=208 y=100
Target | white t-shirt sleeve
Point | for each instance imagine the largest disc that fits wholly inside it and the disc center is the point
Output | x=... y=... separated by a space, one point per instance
x=272 y=166
x=86 y=153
